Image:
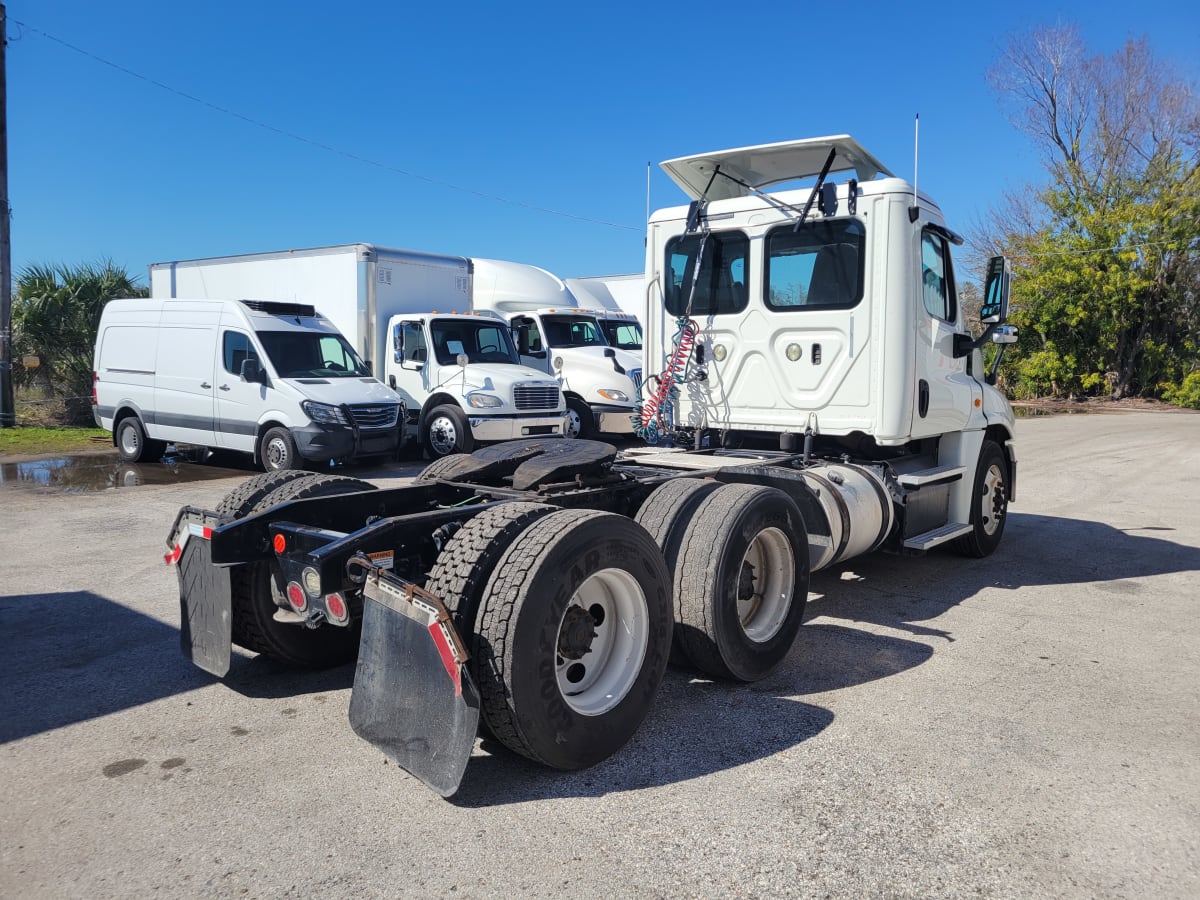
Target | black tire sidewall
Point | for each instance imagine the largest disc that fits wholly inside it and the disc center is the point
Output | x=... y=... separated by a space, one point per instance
x=135 y=425
x=587 y=426
x=463 y=444
x=554 y=732
x=294 y=460
x=981 y=543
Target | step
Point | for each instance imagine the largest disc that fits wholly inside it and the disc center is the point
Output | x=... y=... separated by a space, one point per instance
x=936 y=475
x=935 y=536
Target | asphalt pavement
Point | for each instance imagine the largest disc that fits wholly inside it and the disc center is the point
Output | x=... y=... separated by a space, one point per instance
x=1027 y=725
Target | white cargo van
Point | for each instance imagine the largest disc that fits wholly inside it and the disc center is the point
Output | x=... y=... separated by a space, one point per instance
x=275 y=380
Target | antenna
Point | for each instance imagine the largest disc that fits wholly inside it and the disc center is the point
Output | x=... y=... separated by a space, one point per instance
x=914 y=211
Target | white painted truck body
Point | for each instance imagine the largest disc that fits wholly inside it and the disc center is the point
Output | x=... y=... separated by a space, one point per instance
x=620 y=305
x=600 y=381
x=368 y=291
x=844 y=325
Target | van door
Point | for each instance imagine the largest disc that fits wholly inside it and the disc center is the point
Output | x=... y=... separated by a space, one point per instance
x=183 y=386
x=239 y=403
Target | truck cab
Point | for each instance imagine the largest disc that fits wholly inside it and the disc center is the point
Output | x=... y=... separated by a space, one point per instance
x=827 y=313
x=463 y=383
x=600 y=382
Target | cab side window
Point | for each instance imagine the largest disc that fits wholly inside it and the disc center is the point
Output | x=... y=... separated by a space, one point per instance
x=409 y=342
x=937 y=276
x=236 y=349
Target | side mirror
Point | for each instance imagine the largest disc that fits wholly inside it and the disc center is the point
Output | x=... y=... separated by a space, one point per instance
x=523 y=340
x=1004 y=334
x=252 y=371
x=995 y=292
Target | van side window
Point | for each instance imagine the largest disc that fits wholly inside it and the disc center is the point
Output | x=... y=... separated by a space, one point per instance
x=236 y=349
x=937 y=276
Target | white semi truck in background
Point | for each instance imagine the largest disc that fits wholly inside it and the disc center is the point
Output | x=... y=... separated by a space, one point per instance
x=405 y=312
x=807 y=345
x=620 y=302
x=600 y=379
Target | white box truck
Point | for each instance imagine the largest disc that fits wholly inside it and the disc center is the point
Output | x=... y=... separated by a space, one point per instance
x=600 y=381
x=274 y=380
x=398 y=309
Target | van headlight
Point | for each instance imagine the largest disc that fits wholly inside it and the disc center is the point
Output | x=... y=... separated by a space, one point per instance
x=323 y=413
x=484 y=401
x=613 y=394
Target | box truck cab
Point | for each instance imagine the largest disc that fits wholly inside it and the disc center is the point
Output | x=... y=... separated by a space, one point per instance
x=276 y=381
x=462 y=380
x=600 y=382
x=617 y=300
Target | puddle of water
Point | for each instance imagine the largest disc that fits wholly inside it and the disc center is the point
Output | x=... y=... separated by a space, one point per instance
x=103 y=471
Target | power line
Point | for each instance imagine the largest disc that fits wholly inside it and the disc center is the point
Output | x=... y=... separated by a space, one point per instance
x=282 y=132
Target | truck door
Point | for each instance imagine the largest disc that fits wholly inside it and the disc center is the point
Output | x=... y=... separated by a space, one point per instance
x=240 y=403
x=945 y=393
x=408 y=365
x=538 y=356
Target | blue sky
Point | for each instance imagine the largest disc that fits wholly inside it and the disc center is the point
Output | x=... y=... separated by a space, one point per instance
x=519 y=131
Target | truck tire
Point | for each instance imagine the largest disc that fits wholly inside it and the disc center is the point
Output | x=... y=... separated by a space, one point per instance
x=572 y=636
x=238 y=502
x=277 y=450
x=989 y=503
x=447 y=431
x=666 y=515
x=254 y=587
x=434 y=470
x=580 y=422
x=741 y=581
x=469 y=558
x=133 y=445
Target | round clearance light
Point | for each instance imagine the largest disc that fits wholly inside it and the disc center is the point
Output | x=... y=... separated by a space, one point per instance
x=335 y=605
x=279 y=542
x=296 y=598
x=719 y=353
x=794 y=352
x=312 y=581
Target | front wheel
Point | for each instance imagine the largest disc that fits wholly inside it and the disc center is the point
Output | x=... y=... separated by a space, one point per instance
x=572 y=636
x=580 y=422
x=989 y=503
x=447 y=431
x=278 y=451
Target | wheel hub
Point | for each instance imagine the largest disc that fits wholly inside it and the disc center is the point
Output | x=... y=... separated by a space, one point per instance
x=576 y=634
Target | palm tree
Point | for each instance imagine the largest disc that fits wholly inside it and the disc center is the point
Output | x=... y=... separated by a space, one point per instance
x=56 y=311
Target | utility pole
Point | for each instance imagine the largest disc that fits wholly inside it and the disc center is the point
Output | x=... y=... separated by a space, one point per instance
x=8 y=417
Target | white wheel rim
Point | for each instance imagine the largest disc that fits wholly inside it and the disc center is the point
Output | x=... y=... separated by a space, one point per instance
x=129 y=440
x=574 y=424
x=991 y=501
x=603 y=673
x=766 y=583
x=443 y=436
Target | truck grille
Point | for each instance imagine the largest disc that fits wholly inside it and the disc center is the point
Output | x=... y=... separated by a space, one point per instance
x=636 y=375
x=529 y=397
x=375 y=415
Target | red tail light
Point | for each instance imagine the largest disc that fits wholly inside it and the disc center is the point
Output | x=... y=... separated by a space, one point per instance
x=296 y=596
x=336 y=608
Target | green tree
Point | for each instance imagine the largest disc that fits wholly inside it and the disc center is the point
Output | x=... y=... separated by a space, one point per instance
x=1106 y=254
x=55 y=314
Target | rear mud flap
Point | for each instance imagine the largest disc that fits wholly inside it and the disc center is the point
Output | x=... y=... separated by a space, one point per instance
x=205 y=610
x=413 y=698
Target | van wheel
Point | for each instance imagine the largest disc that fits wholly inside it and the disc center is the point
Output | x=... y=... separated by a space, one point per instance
x=741 y=581
x=256 y=588
x=133 y=445
x=278 y=451
x=580 y=422
x=447 y=431
x=572 y=636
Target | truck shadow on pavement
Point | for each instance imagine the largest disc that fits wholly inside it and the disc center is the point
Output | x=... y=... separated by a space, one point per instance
x=882 y=589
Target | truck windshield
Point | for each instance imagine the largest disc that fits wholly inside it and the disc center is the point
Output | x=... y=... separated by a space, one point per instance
x=622 y=335
x=483 y=340
x=572 y=331
x=312 y=354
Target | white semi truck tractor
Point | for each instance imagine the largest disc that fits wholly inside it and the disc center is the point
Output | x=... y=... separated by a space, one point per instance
x=817 y=395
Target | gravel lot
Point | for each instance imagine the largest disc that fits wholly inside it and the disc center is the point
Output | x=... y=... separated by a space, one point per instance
x=1022 y=726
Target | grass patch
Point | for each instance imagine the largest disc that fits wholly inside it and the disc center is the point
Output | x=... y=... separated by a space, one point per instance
x=32 y=440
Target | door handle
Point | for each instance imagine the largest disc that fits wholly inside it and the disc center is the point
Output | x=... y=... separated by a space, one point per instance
x=205 y=385
x=226 y=387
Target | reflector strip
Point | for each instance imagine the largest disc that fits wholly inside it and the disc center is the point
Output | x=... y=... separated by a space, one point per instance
x=173 y=557
x=442 y=642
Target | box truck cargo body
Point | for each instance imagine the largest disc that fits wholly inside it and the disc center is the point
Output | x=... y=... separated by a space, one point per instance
x=388 y=303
